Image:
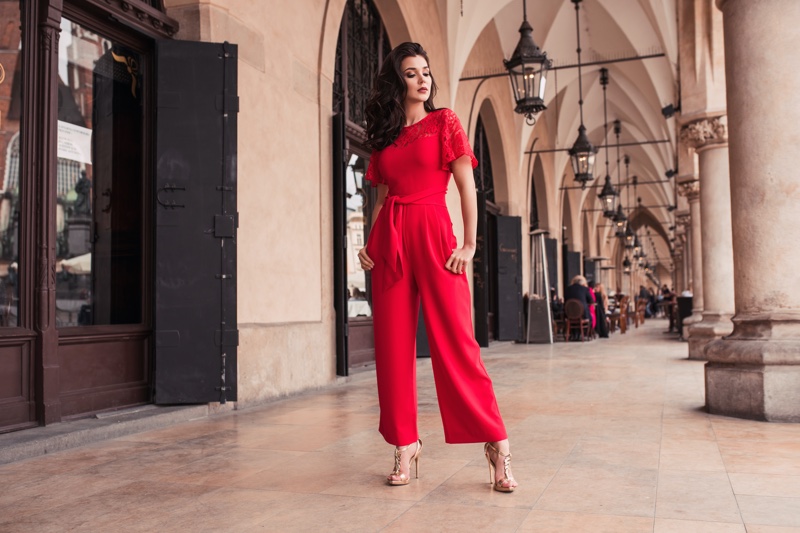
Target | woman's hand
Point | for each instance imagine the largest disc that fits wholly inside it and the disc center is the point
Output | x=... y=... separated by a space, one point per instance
x=459 y=259
x=366 y=262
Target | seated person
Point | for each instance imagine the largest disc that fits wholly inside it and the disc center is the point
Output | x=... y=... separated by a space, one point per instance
x=578 y=290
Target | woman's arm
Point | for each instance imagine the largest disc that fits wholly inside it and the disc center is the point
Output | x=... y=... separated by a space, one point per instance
x=462 y=173
x=366 y=262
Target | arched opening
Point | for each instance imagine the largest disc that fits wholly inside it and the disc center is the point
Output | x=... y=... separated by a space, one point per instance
x=362 y=44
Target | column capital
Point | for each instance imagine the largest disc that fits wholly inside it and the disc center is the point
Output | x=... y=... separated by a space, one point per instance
x=706 y=131
x=690 y=190
x=682 y=220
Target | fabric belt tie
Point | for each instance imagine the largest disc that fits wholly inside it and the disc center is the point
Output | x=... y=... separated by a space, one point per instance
x=384 y=240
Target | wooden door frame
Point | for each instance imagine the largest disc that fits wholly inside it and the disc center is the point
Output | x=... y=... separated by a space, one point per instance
x=41 y=23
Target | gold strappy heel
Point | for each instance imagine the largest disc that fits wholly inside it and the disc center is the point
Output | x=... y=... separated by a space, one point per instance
x=396 y=472
x=498 y=485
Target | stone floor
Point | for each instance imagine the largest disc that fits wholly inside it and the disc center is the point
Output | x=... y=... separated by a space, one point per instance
x=606 y=435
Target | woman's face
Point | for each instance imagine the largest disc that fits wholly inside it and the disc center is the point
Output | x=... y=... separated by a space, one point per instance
x=418 y=79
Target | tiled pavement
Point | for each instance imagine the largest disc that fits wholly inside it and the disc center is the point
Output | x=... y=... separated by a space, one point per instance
x=607 y=436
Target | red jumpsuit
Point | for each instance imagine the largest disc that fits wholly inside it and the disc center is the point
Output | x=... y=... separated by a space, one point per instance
x=410 y=244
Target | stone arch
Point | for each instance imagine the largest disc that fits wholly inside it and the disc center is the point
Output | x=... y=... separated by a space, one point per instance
x=393 y=20
x=494 y=138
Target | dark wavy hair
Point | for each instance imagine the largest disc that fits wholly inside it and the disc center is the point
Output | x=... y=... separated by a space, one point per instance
x=385 y=112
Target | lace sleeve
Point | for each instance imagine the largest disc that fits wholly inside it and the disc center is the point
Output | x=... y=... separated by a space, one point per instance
x=373 y=175
x=454 y=140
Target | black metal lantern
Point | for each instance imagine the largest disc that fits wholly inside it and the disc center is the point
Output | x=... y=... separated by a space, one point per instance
x=626 y=265
x=608 y=196
x=637 y=246
x=621 y=222
x=582 y=154
x=629 y=237
x=527 y=70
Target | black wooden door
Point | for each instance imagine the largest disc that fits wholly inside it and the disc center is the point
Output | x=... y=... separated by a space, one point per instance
x=196 y=221
x=509 y=278
x=551 y=249
x=340 y=293
x=589 y=270
x=572 y=266
x=480 y=275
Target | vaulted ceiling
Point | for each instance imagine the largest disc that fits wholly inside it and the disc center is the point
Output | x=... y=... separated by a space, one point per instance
x=610 y=29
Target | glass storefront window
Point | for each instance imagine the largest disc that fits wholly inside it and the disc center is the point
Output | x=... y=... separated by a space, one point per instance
x=357 y=227
x=99 y=183
x=11 y=95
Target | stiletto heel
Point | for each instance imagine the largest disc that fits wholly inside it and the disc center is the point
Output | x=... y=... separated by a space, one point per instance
x=403 y=479
x=498 y=485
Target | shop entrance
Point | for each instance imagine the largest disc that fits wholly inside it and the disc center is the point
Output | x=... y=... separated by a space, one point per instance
x=78 y=261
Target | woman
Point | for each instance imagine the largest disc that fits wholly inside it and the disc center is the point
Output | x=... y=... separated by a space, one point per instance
x=413 y=256
x=602 y=310
x=593 y=306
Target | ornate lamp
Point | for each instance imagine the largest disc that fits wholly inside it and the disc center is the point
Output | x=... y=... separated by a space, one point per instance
x=608 y=195
x=629 y=238
x=621 y=221
x=626 y=265
x=527 y=70
x=582 y=154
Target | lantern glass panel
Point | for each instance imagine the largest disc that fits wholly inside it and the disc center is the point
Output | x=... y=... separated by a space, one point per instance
x=583 y=162
x=609 y=204
x=542 y=83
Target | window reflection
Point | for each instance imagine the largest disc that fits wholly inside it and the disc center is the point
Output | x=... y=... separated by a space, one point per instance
x=358 y=304
x=99 y=181
x=11 y=95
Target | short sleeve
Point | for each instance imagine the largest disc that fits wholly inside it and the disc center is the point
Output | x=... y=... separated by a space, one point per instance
x=454 y=141
x=373 y=174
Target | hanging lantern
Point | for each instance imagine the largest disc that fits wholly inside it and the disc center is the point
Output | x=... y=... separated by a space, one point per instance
x=527 y=70
x=621 y=222
x=626 y=265
x=637 y=246
x=608 y=196
x=629 y=237
x=582 y=154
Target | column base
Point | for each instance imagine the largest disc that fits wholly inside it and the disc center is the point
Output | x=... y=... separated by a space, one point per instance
x=695 y=317
x=755 y=372
x=713 y=326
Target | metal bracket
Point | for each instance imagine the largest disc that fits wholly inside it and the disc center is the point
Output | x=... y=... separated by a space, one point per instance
x=169 y=204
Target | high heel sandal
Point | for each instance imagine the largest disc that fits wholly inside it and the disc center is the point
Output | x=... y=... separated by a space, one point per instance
x=498 y=484
x=403 y=479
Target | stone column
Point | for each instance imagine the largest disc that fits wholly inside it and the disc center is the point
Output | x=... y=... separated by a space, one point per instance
x=709 y=138
x=755 y=372
x=691 y=190
x=681 y=251
x=677 y=265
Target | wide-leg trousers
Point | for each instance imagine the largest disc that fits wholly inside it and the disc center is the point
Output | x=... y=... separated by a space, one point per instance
x=467 y=401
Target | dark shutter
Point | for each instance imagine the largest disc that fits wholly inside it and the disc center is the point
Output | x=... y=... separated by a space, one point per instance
x=480 y=276
x=340 y=290
x=589 y=270
x=551 y=249
x=509 y=278
x=573 y=266
x=196 y=335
